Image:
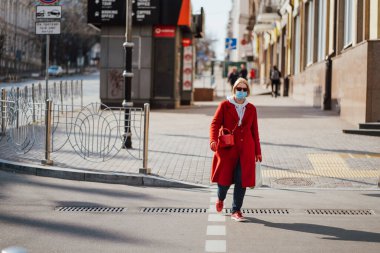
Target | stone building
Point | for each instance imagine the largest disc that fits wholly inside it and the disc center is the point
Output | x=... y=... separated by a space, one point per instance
x=20 y=48
x=328 y=51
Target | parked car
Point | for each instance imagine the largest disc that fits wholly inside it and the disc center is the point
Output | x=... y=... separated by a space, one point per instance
x=55 y=70
x=55 y=13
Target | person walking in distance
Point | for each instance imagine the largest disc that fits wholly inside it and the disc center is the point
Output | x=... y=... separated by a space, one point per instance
x=252 y=76
x=275 y=76
x=235 y=164
x=233 y=76
x=243 y=72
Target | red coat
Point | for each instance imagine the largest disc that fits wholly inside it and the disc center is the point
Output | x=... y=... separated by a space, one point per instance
x=247 y=145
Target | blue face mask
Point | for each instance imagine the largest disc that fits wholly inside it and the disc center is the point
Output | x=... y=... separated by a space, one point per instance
x=240 y=95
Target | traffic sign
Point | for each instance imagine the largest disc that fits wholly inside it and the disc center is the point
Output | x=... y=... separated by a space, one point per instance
x=48 y=1
x=231 y=43
x=48 y=27
x=49 y=12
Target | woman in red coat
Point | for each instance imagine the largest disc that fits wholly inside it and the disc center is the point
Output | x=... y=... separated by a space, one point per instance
x=236 y=164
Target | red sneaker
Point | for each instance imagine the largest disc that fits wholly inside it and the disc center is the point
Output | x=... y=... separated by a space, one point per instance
x=219 y=206
x=237 y=216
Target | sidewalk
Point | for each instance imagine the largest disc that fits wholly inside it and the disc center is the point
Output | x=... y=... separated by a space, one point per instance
x=302 y=146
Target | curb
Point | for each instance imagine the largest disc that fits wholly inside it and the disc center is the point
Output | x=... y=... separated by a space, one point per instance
x=131 y=179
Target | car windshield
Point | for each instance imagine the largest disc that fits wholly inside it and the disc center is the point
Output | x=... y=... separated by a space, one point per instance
x=53 y=67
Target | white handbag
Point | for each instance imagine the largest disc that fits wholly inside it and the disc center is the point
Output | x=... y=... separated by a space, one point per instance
x=259 y=177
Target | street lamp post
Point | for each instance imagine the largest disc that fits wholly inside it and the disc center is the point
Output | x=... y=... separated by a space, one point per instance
x=128 y=74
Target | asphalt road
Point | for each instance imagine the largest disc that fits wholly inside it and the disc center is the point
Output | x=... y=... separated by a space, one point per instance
x=29 y=218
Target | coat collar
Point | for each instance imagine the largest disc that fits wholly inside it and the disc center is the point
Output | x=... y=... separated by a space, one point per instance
x=233 y=112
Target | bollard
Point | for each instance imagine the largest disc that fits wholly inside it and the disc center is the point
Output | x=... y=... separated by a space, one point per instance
x=145 y=169
x=48 y=112
x=3 y=110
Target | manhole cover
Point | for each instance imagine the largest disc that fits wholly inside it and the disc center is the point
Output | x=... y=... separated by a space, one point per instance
x=294 y=181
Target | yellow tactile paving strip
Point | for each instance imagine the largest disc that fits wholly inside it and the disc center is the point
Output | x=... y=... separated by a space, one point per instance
x=330 y=165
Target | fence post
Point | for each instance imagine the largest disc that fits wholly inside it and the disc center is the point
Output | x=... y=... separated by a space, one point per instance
x=61 y=95
x=39 y=91
x=145 y=169
x=17 y=105
x=72 y=94
x=48 y=112
x=81 y=93
x=3 y=110
x=33 y=106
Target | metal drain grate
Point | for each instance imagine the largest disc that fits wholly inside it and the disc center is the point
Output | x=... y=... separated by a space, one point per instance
x=173 y=210
x=339 y=212
x=261 y=211
x=94 y=209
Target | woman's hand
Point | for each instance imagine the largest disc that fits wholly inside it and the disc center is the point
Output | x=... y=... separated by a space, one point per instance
x=259 y=158
x=213 y=146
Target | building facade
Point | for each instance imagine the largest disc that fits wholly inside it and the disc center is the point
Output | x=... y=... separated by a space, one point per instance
x=20 y=48
x=328 y=51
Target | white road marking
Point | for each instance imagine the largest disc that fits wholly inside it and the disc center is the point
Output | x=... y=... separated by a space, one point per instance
x=216 y=217
x=216 y=230
x=216 y=246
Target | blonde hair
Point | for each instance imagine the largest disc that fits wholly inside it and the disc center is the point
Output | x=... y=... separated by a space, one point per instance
x=238 y=81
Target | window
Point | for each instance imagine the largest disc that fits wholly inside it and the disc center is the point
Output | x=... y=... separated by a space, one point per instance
x=322 y=30
x=348 y=18
x=310 y=32
x=297 y=43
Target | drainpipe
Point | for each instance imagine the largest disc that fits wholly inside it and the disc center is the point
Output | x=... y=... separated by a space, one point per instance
x=327 y=94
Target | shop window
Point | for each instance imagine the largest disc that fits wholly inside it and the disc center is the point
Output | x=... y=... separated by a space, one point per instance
x=310 y=32
x=322 y=9
x=348 y=18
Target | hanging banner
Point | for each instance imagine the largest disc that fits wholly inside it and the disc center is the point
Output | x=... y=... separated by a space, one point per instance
x=187 y=71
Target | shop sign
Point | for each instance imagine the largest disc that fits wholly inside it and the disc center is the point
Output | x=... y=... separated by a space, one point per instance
x=146 y=12
x=186 y=42
x=162 y=31
x=111 y=12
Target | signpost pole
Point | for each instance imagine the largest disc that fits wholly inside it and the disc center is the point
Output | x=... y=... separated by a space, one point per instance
x=128 y=74
x=47 y=67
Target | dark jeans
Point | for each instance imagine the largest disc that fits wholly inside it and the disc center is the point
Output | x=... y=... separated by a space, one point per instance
x=239 y=191
x=275 y=86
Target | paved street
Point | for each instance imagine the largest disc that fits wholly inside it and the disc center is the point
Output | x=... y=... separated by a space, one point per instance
x=29 y=217
x=302 y=146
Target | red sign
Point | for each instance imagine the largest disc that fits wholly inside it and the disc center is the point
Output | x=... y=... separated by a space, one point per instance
x=48 y=1
x=164 y=31
x=186 y=42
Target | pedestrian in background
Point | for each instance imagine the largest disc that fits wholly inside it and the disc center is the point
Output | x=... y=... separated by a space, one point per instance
x=233 y=76
x=235 y=164
x=243 y=72
x=252 y=76
x=275 y=76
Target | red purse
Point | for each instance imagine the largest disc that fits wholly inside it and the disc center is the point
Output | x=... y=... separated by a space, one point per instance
x=226 y=138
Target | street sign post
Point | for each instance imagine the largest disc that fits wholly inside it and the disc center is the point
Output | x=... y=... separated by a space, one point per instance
x=48 y=17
